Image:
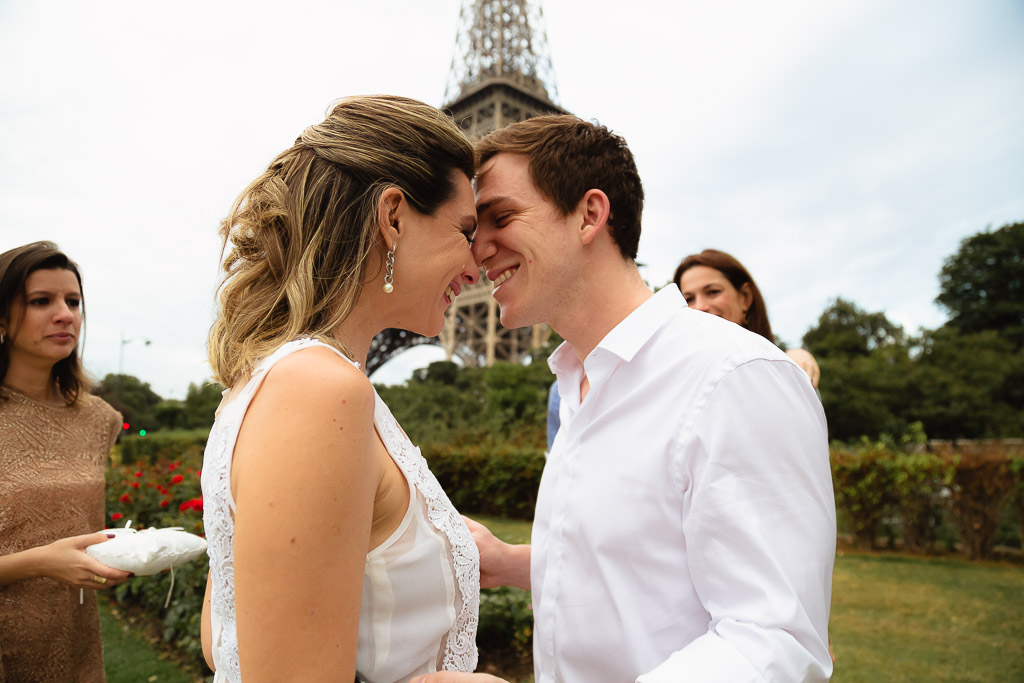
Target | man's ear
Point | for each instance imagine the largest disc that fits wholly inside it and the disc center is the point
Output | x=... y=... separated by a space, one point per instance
x=595 y=210
x=389 y=209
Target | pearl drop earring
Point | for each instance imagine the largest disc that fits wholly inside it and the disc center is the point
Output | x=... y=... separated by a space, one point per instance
x=389 y=270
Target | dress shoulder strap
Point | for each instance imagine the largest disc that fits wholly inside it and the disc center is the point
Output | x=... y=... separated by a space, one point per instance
x=259 y=372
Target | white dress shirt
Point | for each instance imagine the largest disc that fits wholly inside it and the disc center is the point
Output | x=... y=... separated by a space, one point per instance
x=685 y=525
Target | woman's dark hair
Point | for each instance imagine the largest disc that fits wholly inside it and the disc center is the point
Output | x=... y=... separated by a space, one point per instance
x=756 y=319
x=15 y=267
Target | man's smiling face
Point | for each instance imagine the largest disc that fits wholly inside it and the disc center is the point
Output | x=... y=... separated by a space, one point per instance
x=523 y=242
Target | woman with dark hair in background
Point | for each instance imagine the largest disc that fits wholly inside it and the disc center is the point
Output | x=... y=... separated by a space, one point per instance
x=55 y=438
x=332 y=547
x=715 y=282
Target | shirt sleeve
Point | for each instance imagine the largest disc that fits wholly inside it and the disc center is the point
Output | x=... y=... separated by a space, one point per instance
x=759 y=528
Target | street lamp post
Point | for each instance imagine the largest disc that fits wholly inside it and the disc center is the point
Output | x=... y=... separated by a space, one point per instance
x=120 y=366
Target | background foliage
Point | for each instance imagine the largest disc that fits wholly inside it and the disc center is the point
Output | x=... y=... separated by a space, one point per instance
x=964 y=380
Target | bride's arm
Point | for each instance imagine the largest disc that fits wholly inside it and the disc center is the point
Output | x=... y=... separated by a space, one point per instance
x=205 y=634
x=304 y=480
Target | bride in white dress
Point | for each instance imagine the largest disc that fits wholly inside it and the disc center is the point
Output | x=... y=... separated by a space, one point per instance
x=332 y=548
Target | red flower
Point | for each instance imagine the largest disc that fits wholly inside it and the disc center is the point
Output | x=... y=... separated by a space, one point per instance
x=150 y=485
x=194 y=504
x=171 y=468
x=138 y=474
x=125 y=498
x=177 y=479
x=135 y=484
x=199 y=473
x=164 y=503
x=116 y=516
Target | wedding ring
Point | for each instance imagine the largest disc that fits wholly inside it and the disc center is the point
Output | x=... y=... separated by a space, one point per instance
x=99 y=579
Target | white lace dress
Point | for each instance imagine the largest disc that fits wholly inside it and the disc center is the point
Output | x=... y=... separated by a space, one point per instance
x=421 y=588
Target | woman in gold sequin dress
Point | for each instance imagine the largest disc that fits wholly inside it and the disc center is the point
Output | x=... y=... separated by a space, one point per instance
x=54 y=442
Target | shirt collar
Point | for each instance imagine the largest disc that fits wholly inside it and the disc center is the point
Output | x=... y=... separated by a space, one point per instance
x=629 y=336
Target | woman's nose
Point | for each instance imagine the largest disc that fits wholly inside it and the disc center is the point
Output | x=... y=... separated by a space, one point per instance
x=63 y=313
x=471 y=273
x=701 y=304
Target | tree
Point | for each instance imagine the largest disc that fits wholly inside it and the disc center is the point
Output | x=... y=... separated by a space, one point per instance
x=967 y=386
x=170 y=413
x=982 y=284
x=865 y=363
x=200 y=405
x=134 y=398
x=445 y=403
x=843 y=329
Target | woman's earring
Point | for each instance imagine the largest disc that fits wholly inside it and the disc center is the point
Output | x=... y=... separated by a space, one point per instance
x=389 y=270
x=1 y=337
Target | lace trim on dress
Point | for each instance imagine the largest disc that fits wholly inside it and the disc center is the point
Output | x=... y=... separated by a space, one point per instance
x=460 y=652
x=218 y=511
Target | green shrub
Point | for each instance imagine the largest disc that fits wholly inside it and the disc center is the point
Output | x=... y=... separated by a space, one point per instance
x=863 y=480
x=182 y=618
x=166 y=493
x=1017 y=468
x=921 y=493
x=982 y=484
x=163 y=445
x=505 y=631
x=501 y=481
x=919 y=480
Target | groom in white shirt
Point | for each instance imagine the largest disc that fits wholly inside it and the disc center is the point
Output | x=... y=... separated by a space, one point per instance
x=685 y=524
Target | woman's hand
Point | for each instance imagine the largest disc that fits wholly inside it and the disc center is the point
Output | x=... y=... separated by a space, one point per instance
x=807 y=363
x=66 y=561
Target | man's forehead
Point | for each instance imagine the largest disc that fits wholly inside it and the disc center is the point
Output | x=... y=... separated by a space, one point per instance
x=501 y=175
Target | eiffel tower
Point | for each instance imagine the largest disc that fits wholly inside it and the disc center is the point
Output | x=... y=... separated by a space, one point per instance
x=501 y=73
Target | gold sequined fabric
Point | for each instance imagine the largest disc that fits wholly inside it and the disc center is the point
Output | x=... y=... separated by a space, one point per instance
x=52 y=461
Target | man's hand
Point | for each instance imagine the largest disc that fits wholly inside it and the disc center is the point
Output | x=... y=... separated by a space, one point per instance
x=456 y=677
x=501 y=564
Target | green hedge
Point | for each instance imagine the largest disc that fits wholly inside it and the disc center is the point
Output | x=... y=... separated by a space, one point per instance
x=163 y=445
x=505 y=632
x=500 y=481
x=913 y=491
x=165 y=493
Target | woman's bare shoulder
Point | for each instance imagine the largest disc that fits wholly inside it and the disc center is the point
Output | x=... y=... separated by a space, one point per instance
x=319 y=373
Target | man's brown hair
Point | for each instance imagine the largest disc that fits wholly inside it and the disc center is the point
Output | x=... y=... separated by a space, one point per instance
x=569 y=156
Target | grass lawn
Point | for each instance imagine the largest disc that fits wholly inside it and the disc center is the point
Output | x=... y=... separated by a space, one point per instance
x=129 y=657
x=908 y=618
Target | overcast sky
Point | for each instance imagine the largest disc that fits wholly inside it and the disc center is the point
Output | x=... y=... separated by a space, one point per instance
x=836 y=148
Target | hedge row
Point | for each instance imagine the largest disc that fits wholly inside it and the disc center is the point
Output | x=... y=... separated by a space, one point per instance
x=164 y=493
x=500 y=482
x=164 y=445
x=914 y=492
